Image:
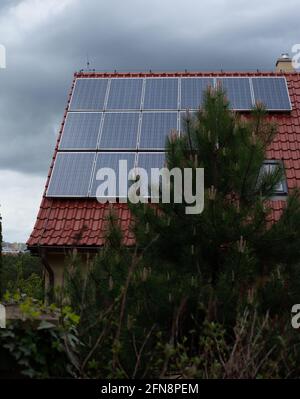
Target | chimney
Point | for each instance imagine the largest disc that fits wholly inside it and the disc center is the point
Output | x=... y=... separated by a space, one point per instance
x=284 y=63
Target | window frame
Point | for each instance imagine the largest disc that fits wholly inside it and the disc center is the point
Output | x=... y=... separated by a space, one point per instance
x=283 y=182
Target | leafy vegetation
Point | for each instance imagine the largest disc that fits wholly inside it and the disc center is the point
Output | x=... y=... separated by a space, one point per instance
x=22 y=273
x=41 y=348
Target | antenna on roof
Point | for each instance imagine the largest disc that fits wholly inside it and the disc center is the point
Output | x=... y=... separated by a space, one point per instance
x=87 y=63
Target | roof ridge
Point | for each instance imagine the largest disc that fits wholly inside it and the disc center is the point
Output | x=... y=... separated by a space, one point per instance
x=110 y=74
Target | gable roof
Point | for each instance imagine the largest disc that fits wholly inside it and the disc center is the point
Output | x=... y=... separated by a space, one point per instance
x=81 y=222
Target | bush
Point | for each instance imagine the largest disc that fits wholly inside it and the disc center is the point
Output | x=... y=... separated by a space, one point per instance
x=22 y=273
x=44 y=343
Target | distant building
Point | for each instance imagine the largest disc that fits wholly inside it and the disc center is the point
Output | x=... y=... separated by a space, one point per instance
x=13 y=248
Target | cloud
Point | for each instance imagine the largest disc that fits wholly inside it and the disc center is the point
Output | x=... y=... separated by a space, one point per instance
x=19 y=203
x=47 y=40
x=26 y=17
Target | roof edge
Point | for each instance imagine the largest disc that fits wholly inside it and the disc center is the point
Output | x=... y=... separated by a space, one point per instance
x=95 y=74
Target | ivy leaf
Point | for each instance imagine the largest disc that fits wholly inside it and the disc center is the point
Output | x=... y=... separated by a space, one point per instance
x=30 y=373
x=44 y=325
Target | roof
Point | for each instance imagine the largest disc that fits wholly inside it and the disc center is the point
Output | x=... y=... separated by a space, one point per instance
x=77 y=222
x=82 y=222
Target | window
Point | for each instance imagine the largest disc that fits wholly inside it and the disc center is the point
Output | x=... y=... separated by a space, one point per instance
x=269 y=167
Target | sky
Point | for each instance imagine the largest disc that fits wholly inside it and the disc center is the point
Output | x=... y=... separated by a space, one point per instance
x=46 y=41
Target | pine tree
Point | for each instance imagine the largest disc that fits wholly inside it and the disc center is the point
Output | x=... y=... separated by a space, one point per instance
x=230 y=255
x=188 y=277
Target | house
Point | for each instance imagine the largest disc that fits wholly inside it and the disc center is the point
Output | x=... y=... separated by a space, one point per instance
x=109 y=114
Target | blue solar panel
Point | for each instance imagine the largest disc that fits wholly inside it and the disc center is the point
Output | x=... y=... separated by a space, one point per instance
x=238 y=92
x=119 y=131
x=89 y=94
x=81 y=131
x=111 y=160
x=71 y=174
x=125 y=94
x=191 y=115
x=192 y=90
x=272 y=92
x=155 y=128
x=148 y=160
x=161 y=93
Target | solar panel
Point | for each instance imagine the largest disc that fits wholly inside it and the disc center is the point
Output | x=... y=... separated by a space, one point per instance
x=111 y=160
x=161 y=93
x=238 y=92
x=148 y=160
x=71 y=174
x=156 y=126
x=272 y=92
x=192 y=90
x=119 y=131
x=125 y=94
x=191 y=115
x=89 y=94
x=81 y=131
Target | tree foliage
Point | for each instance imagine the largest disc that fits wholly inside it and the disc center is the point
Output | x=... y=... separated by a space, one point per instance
x=144 y=309
x=22 y=273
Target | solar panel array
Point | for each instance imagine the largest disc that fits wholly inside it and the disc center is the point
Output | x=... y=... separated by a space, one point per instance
x=119 y=94
x=130 y=118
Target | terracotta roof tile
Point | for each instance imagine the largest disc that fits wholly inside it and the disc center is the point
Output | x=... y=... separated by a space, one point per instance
x=82 y=223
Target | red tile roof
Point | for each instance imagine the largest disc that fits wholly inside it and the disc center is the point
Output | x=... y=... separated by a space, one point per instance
x=82 y=222
x=77 y=222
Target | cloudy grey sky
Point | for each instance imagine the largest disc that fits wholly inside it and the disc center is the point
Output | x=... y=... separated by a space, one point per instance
x=47 y=40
